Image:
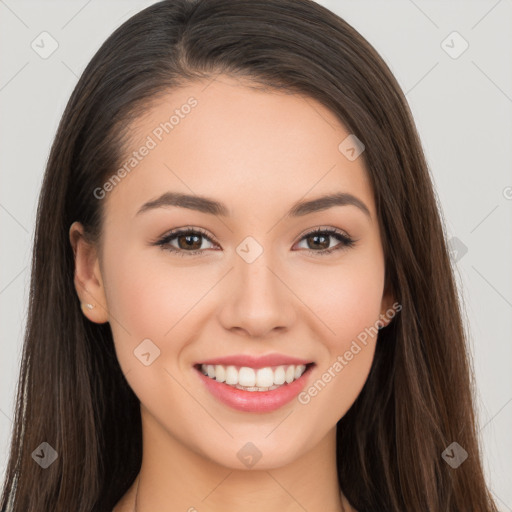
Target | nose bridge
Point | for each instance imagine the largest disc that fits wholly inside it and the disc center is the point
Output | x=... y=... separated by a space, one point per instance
x=256 y=278
x=258 y=301
x=255 y=282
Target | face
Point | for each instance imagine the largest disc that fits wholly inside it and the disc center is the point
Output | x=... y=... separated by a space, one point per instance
x=255 y=277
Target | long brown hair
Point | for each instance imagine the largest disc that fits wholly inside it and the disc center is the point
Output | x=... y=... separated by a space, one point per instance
x=72 y=393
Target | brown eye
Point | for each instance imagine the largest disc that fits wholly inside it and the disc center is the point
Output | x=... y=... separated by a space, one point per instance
x=189 y=241
x=318 y=241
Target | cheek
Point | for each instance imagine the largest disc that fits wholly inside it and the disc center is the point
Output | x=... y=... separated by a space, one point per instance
x=345 y=297
x=147 y=300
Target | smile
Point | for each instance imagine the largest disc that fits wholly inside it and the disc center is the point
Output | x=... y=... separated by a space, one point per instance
x=250 y=389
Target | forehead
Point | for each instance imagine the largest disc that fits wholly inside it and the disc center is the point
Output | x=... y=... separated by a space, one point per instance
x=255 y=150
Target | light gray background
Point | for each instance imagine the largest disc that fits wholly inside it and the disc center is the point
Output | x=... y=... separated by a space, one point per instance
x=462 y=108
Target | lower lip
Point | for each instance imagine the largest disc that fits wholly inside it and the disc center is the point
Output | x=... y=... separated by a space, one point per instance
x=255 y=401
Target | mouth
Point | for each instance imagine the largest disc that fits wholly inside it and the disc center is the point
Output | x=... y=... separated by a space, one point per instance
x=254 y=389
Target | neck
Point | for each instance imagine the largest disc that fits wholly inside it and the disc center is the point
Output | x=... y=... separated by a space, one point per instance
x=173 y=478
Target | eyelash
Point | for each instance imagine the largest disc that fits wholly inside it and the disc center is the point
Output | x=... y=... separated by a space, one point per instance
x=163 y=243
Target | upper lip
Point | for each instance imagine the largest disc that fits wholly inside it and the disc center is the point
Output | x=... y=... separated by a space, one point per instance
x=256 y=361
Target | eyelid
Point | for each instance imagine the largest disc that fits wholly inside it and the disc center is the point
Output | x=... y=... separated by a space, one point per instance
x=186 y=229
x=308 y=231
x=322 y=229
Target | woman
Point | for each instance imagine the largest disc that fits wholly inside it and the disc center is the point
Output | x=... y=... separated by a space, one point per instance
x=311 y=356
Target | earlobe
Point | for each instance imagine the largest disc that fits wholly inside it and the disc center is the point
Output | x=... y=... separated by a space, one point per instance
x=87 y=278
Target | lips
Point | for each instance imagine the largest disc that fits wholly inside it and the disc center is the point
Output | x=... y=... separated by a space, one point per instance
x=254 y=399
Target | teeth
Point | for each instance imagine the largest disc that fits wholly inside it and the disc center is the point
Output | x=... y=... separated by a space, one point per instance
x=279 y=375
x=231 y=375
x=264 y=377
x=250 y=379
x=246 y=377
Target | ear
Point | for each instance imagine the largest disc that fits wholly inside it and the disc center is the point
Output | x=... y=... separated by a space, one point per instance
x=389 y=307
x=88 y=281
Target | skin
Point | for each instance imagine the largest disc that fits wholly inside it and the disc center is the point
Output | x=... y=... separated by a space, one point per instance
x=258 y=152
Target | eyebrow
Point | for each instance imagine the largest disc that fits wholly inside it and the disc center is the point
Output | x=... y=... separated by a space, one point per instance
x=213 y=207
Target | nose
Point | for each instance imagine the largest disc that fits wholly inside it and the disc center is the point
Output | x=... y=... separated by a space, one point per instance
x=257 y=298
